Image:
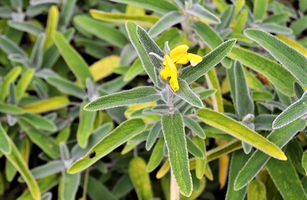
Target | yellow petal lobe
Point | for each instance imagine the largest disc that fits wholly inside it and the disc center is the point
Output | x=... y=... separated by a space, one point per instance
x=178 y=52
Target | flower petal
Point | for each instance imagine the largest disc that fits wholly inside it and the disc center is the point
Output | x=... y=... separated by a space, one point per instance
x=168 y=62
x=194 y=59
x=166 y=72
x=174 y=83
x=178 y=52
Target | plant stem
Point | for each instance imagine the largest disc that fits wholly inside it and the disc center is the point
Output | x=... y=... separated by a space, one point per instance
x=87 y=172
x=175 y=194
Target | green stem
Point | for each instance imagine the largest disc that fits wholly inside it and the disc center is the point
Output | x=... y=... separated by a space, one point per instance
x=87 y=173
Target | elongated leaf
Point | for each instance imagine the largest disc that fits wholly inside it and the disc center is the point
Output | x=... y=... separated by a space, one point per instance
x=153 y=135
x=244 y=103
x=52 y=23
x=46 y=105
x=28 y=27
x=66 y=13
x=10 y=109
x=70 y=184
x=9 y=78
x=188 y=95
x=296 y=45
x=16 y=159
x=86 y=122
x=40 y=122
x=277 y=75
x=142 y=20
x=238 y=160
x=241 y=22
x=260 y=8
x=156 y=156
x=104 y=67
x=96 y=190
x=9 y=47
x=191 y=74
x=293 y=112
x=66 y=87
x=37 y=52
x=196 y=128
x=159 y=6
x=275 y=28
x=283 y=174
x=117 y=137
x=223 y=150
x=101 y=30
x=5 y=146
x=134 y=96
x=173 y=130
x=74 y=61
x=44 y=141
x=165 y=22
x=226 y=18
x=23 y=83
x=200 y=167
x=210 y=37
x=291 y=59
x=122 y=186
x=201 y=12
x=134 y=70
x=280 y=137
x=304 y=161
x=213 y=83
x=240 y=131
x=140 y=178
x=193 y=149
x=131 y=28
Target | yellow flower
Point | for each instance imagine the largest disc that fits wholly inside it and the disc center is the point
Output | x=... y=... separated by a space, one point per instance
x=178 y=55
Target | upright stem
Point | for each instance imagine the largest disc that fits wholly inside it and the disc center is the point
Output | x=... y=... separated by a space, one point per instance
x=87 y=172
x=175 y=193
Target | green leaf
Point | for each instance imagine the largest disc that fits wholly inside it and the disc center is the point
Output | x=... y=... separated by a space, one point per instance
x=117 y=137
x=200 y=162
x=36 y=58
x=260 y=9
x=160 y=6
x=238 y=160
x=9 y=78
x=44 y=141
x=131 y=28
x=261 y=96
x=291 y=113
x=140 y=178
x=134 y=70
x=101 y=30
x=72 y=58
x=174 y=135
x=201 y=12
x=67 y=10
x=156 y=156
x=191 y=74
x=40 y=122
x=195 y=127
x=185 y=93
x=280 y=137
x=52 y=23
x=70 y=185
x=66 y=86
x=96 y=190
x=138 y=95
x=86 y=123
x=122 y=186
x=303 y=5
x=277 y=75
x=304 y=161
x=142 y=20
x=223 y=150
x=226 y=18
x=241 y=22
x=240 y=131
x=283 y=174
x=9 y=47
x=275 y=28
x=243 y=102
x=10 y=109
x=165 y=22
x=23 y=83
x=295 y=153
x=256 y=191
x=17 y=160
x=209 y=36
x=299 y=25
x=47 y=105
x=193 y=149
x=4 y=141
x=290 y=58
x=28 y=27
x=153 y=135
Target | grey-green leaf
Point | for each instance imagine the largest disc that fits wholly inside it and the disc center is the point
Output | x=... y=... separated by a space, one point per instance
x=291 y=59
x=186 y=94
x=194 y=126
x=201 y=12
x=128 y=97
x=173 y=130
x=293 y=112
